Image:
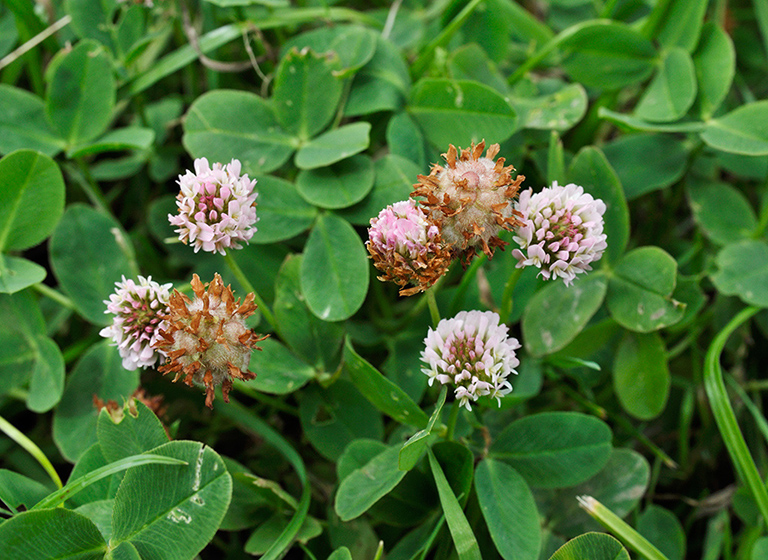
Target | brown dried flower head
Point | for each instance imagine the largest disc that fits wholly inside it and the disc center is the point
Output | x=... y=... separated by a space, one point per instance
x=471 y=199
x=207 y=341
x=406 y=247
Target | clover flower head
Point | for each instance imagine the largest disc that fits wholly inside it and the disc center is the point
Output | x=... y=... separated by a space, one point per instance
x=406 y=247
x=206 y=340
x=473 y=352
x=217 y=207
x=138 y=309
x=471 y=199
x=561 y=231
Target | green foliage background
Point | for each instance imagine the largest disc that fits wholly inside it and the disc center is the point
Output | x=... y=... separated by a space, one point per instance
x=339 y=449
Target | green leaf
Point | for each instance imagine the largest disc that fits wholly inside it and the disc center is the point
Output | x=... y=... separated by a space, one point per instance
x=461 y=532
x=394 y=176
x=32 y=191
x=306 y=92
x=641 y=376
x=742 y=131
x=356 y=455
x=314 y=341
x=93 y=19
x=17 y=273
x=47 y=383
x=99 y=372
x=382 y=84
x=381 y=392
x=342 y=553
x=99 y=490
x=629 y=156
x=37 y=535
x=87 y=259
x=619 y=487
x=560 y=110
x=721 y=211
x=353 y=45
x=339 y=185
x=365 y=486
x=278 y=370
x=557 y=313
x=17 y=490
x=509 y=510
x=81 y=92
x=595 y=546
x=459 y=112
x=555 y=449
x=183 y=505
x=471 y=62
x=640 y=290
x=607 y=55
x=74 y=486
x=129 y=138
x=743 y=272
x=262 y=538
x=333 y=146
x=23 y=123
x=133 y=430
x=225 y=124
x=334 y=270
x=759 y=551
x=282 y=213
x=332 y=418
x=663 y=529
x=681 y=24
x=591 y=170
x=715 y=63
x=406 y=140
x=22 y=326
x=672 y=91
x=413 y=449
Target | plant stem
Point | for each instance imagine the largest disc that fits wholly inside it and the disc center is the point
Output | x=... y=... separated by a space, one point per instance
x=432 y=302
x=505 y=310
x=453 y=416
x=56 y=296
x=246 y=284
x=725 y=417
x=425 y=57
x=10 y=430
x=618 y=527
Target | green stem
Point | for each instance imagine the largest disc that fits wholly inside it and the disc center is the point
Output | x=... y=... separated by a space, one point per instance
x=432 y=302
x=54 y=295
x=246 y=284
x=506 y=300
x=618 y=527
x=426 y=56
x=453 y=416
x=10 y=430
x=725 y=417
x=277 y=404
x=466 y=280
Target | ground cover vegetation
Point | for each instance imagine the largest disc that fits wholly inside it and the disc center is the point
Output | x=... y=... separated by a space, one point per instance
x=363 y=280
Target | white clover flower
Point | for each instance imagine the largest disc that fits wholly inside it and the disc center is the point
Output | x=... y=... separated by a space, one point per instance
x=137 y=310
x=406 y=247
x=561 y=231
x=473 y=352
x=217 y=207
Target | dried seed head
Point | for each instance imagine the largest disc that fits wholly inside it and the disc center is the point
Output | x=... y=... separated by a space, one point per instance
x=407 y=248
x=470 y=199
x=207 y=341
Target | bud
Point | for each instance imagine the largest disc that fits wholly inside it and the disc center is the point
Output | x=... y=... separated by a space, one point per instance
x=470 y=200
x=561 y=231
x=138 y=310
x=472 y=352
x=406 y=247
x=217 y=207
x=207 y=341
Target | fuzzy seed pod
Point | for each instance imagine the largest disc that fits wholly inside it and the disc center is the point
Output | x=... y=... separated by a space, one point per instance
x=207 y=341
x=471 y=199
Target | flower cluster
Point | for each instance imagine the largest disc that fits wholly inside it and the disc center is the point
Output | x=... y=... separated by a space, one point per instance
x=470 y=199
x=206 y=339
x=406 y=247
x=217 y=207
x=561 y=231
x=138 y=309
x=473 y=352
